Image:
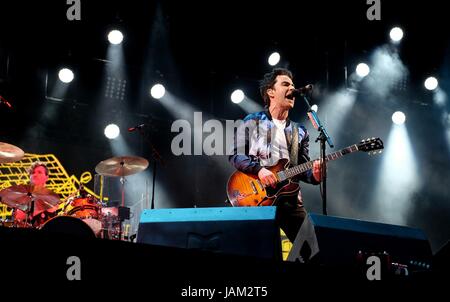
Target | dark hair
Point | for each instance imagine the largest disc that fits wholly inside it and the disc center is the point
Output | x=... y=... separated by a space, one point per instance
x=38 y=164
x=269 y=81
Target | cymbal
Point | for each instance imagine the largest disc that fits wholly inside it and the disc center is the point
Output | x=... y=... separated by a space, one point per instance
x=121 y=166
x=10 y=153
x=20 y=197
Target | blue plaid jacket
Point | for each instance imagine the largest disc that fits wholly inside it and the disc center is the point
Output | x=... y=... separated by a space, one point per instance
x=257 y=145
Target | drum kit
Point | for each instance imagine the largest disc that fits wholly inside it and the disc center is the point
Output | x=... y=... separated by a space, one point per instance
x=41 y=208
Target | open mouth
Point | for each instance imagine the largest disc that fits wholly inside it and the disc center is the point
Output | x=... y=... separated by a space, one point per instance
x=290 y=96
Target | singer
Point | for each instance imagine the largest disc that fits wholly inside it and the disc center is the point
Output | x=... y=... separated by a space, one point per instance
x=273 y=138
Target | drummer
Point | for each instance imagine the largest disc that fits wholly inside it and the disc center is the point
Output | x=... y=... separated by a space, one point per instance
x=38 y=177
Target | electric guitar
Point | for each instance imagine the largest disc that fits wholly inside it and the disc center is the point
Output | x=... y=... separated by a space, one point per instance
x=247 y=190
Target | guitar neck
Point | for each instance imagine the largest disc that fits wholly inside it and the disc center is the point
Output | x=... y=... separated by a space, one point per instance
x=294 y=171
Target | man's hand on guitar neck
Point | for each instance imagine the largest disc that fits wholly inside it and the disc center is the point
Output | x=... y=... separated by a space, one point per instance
x=317 y=173
x=267 y=177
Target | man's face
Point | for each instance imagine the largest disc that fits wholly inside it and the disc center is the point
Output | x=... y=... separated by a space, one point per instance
x=281 y=93
x=38 y=176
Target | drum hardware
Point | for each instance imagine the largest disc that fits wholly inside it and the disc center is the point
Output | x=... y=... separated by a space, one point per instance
x=33 y=200
x=122 y=166
x=86 y=208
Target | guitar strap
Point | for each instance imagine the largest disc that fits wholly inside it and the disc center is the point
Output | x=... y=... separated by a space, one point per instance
x=293 y=156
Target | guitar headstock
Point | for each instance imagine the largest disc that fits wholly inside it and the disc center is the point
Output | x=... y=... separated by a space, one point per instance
x=372 y=145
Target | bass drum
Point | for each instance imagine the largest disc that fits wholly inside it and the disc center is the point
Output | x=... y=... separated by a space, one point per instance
x=70 y=226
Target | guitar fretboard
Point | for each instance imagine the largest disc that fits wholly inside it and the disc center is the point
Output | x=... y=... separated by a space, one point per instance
x=291 y=172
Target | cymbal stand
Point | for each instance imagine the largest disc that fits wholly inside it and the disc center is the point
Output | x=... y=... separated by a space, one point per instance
x=30 y=211
x=123 y=212
x=122 y=181
x=156 y=157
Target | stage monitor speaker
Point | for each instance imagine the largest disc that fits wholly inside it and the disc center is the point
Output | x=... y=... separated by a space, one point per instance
x=328 y=240
x=441 y=260
x=249 y=231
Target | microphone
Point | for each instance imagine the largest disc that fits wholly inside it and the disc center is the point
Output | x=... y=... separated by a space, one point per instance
x=302 y=90
x=131 y=129
x=4 y=101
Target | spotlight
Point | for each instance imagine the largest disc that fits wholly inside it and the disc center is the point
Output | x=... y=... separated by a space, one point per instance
x=314 y=107
x=398 y=117
x=237 y=96
x=112 y=131
x=431 y=83
x=362 y=70
x=157 y=91
x=274 y=58
x=115 y=37
x=65 y=75
x=396 y=34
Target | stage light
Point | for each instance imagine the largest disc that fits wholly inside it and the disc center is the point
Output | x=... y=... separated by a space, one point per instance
x=65 y=75
x=157 y=91
x=115 y=88
x=115 y=37
x=398 y=118
x=314 y=107
x=112 y=131
x=396 y=34
x=237 y=96
x=362 y=70
x=431 y=83
x=274 y=58
x=397 y=174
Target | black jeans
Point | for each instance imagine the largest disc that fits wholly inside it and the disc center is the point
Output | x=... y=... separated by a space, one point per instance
x=290 y=218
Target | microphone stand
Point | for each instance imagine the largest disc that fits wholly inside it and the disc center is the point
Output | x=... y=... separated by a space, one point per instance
x=323 y=137
x=156 y=157
x=4 y=101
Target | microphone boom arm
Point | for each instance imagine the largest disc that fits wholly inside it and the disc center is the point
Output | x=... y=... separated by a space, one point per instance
x=316 y=123
x=323 y=136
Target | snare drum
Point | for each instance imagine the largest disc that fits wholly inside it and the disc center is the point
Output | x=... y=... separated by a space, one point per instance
x=22 y=221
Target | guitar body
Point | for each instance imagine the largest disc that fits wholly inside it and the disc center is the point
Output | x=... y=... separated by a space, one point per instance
x=244 y=190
